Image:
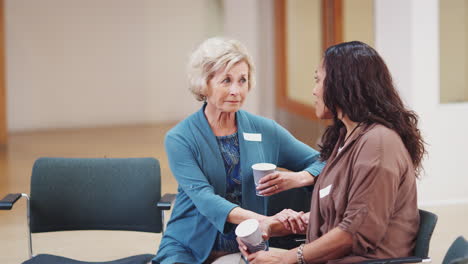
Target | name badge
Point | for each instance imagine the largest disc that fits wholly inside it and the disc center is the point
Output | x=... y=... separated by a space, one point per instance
x=325 y=191
x=253 y=137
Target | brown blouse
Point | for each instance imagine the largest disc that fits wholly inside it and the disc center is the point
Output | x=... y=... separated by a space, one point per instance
x=369 y=190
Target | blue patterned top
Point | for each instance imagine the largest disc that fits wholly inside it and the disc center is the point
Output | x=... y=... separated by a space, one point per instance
x=229 y=146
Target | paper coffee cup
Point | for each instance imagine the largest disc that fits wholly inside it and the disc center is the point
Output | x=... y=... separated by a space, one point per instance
x=260 y=170
x=249 y=232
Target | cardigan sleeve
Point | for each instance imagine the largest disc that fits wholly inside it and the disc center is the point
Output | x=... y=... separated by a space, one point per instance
x=194 y=183
x=295 y=155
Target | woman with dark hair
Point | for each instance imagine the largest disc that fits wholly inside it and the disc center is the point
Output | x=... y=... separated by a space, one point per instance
x=364 y=204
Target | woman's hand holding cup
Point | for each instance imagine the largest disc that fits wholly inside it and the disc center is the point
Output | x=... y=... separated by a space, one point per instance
x=278 y=181
x=250 y=236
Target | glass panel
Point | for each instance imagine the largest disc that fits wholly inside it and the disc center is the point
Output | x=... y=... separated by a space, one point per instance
x=303 y=48
x=453 y=51
x=358 y=21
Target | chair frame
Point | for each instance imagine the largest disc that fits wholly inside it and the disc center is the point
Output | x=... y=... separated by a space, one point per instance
x=164 y=204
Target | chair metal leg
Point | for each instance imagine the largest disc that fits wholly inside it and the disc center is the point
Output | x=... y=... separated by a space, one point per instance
x=163 y=228
x=28 y=209
x=165 y=204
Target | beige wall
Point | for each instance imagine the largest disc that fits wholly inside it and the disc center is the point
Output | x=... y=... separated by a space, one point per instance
x=92 y=63
x=304 y=47
x=453 y=51
x=358 y=21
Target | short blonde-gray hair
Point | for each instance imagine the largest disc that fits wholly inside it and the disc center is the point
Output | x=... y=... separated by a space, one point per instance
x=212 y=55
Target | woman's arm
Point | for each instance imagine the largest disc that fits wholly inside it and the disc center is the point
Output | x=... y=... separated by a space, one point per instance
x=237 y=215
x=193 y=182
x=333 y=245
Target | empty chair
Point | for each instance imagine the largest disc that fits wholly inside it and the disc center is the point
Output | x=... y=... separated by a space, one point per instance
x=94 y=194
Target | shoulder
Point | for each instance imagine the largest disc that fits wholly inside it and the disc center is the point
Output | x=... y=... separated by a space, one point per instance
x=260 y=123
x=382 y=137
x=182 y=129
x=255 y=118
x=383 y=144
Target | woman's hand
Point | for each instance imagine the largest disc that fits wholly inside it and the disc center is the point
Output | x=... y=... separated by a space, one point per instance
x=294 y=221
x=279 y=181
x=264 y=257
x=260 y=256
x=265 y=227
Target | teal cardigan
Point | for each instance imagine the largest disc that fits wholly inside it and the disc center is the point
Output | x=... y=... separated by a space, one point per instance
x=200 y=211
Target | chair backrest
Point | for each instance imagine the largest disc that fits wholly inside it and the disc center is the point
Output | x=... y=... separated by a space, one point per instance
x=297 y=199
x=95 y=194
x=427 y=224
x=458 y=252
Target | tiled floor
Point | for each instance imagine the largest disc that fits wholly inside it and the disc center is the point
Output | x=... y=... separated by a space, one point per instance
x=136 y=141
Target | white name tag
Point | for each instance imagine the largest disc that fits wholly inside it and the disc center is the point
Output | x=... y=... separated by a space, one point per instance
x=253 y=137
x=325 y=191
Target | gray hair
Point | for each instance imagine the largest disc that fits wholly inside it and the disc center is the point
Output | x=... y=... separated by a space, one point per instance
x=211 y=56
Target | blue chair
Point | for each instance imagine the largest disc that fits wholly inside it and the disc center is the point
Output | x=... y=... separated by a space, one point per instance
x=93 y=194
x=458 y=252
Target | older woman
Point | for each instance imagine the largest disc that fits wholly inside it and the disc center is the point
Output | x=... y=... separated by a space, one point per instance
x=364 y=204
x=211 y=153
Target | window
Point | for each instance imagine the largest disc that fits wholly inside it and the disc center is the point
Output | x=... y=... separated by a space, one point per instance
x=304 y=29
x=453 y=51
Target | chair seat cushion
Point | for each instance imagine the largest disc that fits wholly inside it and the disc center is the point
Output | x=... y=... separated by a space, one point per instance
x=51 y=259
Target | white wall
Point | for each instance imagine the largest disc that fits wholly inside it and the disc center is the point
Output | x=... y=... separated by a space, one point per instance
x=407 y=35
x=252 y=23
x=92 y=63
x=240 y=22
x=266 y=59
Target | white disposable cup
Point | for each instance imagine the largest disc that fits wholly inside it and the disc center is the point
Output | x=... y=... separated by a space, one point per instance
x=260 y=170
x=249 y=232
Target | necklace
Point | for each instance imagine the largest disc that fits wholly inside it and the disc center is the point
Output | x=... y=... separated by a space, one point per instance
x=350 y=134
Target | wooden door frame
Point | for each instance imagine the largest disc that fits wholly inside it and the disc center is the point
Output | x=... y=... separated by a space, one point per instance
x=332 y=33
x=3 y=100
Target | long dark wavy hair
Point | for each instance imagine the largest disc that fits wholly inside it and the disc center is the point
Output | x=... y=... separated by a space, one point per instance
x=359 y=83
